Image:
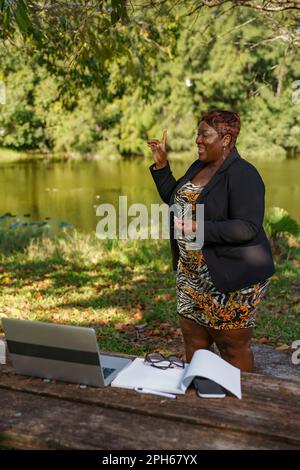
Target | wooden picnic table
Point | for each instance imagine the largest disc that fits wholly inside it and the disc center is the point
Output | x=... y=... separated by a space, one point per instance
x=55 y=415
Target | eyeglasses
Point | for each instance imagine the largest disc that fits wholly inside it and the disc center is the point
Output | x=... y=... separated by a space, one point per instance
x=163 y=362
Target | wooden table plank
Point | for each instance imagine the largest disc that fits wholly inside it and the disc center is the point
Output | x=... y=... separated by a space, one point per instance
x=267 y=417
x=37 y=422
x=269 y=409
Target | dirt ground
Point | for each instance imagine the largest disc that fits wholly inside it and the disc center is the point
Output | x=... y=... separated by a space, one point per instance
x=268 y=360
x=271 y=361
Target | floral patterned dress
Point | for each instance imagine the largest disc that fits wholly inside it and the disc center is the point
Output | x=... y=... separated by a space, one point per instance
x=197 y=297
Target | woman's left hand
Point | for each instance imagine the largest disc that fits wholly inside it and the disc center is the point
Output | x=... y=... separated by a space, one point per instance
x=186 y=226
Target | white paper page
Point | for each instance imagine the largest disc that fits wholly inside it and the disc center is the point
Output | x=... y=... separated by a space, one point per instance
x=139 y=374
x=2 y=352
x=207 y=364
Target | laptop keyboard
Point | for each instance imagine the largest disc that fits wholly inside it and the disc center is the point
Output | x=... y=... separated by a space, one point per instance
x=107 y=371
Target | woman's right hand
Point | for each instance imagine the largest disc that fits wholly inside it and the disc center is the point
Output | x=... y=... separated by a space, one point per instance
x=159 y=150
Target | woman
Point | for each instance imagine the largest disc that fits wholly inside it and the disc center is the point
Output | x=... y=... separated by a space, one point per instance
x=218 y=287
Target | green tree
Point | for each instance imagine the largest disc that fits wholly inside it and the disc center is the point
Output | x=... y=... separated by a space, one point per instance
x=220 y=59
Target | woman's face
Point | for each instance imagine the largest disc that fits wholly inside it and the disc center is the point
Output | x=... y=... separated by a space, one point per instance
x=210 y=145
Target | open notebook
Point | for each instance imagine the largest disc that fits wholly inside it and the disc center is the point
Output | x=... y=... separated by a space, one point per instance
x=203 y=364
x=2 y=352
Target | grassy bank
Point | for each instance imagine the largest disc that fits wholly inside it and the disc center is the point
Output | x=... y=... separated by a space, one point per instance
x=9 y=155
x=124 y=289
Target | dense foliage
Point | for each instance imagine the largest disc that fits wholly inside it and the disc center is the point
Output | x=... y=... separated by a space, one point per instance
x=182 y=67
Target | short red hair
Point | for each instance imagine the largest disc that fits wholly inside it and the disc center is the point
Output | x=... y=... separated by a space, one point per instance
x=224 y=122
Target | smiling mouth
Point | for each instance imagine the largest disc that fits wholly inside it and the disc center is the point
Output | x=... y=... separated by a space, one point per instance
x=201 y=149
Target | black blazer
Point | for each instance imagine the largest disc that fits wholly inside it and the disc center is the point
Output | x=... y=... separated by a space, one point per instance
x=236 y=249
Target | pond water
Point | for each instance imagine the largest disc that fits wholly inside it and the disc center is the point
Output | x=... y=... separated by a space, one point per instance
x=69 y=190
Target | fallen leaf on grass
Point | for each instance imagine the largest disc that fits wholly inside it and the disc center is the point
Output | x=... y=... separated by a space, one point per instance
x=141 y=327
x=263 y=340
x=282 y=347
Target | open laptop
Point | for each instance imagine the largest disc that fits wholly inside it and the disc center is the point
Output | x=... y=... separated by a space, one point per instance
x=60 y=352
